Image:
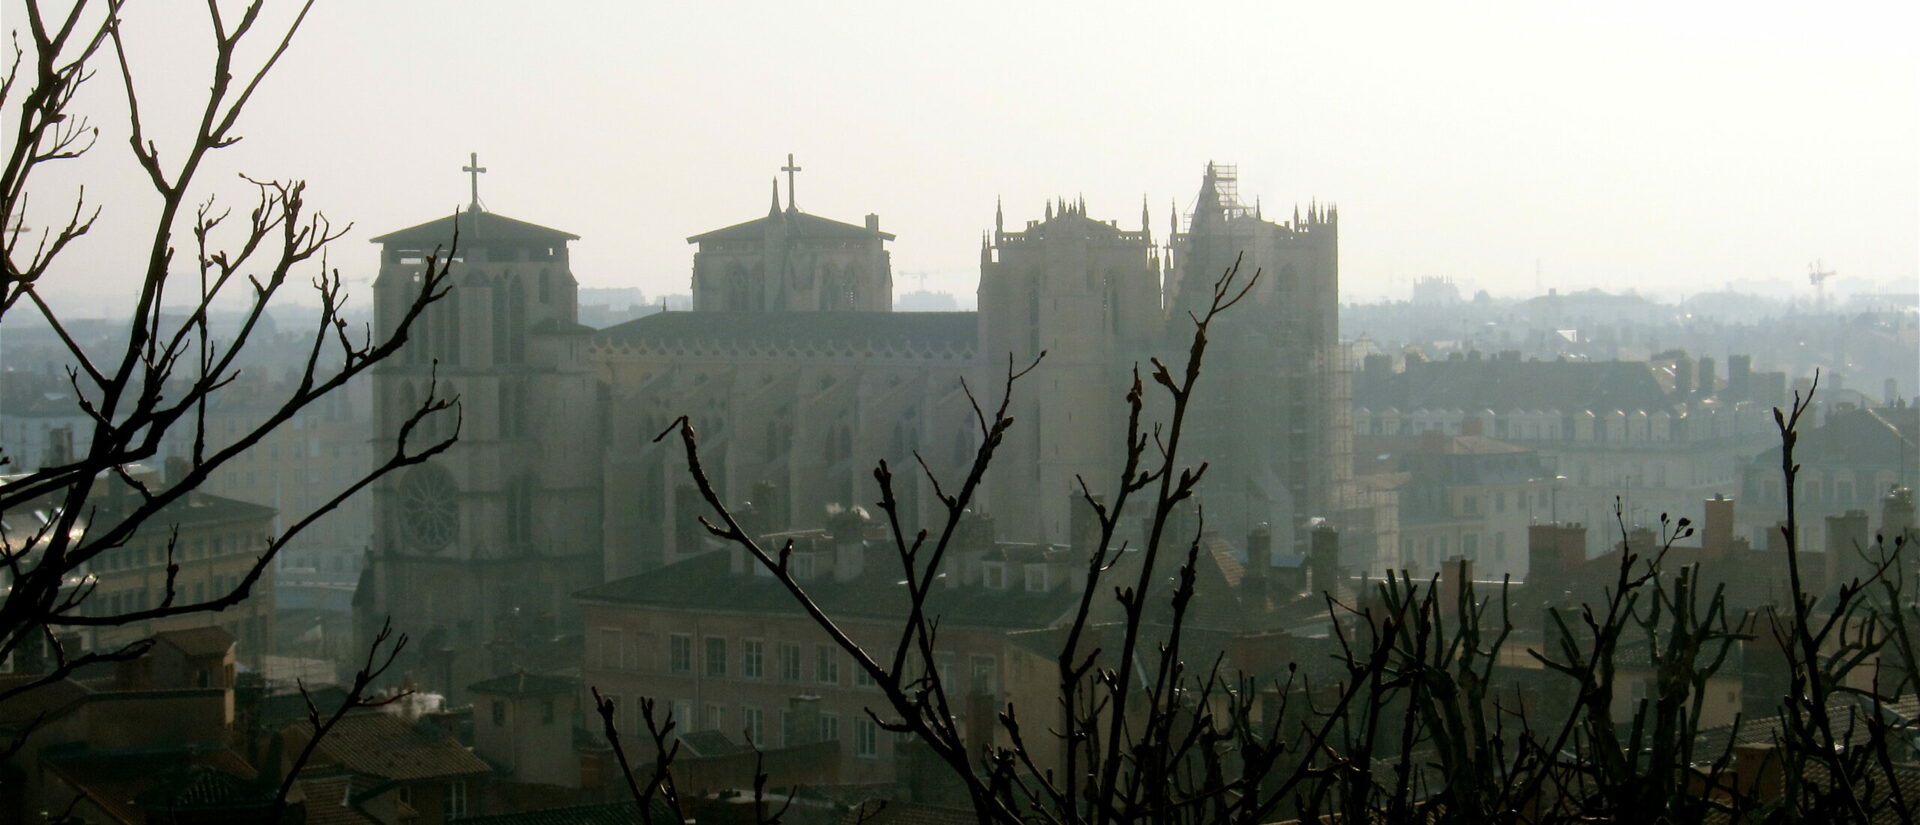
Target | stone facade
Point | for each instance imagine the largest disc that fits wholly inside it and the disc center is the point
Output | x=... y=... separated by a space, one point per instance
x=798 y=378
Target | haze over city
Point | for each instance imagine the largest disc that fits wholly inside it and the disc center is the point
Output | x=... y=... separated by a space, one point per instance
x=1072 y=414
x=1664 y=148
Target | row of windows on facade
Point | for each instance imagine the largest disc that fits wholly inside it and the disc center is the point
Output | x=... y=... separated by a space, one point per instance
x=1501 y=500
x=203 y=547
x=126 y=601
x=1814 y=490
x=1439 y=548
x=716 y=661
x=751 y=725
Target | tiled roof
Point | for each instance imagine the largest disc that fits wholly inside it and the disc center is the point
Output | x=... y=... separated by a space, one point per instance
x=890 y=812
x=50 y=700
x=710 y=743
x=123 y=783
x=625 y=812
x=523 y=683
x=476 y=229
x=956 y=330
x=1848 y=714
x=381 y=744
x=211 y=640
x=1504 y=386
x=332 y=800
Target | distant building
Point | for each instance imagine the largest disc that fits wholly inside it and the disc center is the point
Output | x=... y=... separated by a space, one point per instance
x=798 y=377
x=1650 y=437
x=1465 y=495
x=1849 y=462
x=215 y=542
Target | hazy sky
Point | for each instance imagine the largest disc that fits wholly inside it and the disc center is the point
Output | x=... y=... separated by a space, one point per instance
x=1664 y=146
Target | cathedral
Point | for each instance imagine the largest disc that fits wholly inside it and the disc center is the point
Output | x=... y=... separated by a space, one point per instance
x=799 y=377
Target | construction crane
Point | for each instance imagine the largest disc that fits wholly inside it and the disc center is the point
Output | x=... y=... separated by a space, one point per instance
x=1817 y=274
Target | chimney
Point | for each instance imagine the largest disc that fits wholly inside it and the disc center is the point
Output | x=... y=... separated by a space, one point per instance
x=1777 y=538
x=177 y=468
x=1642 y=540
x=1850 y=552
x=1896 y=514
x=59 y=447
x=982 y=718
x=1323 y=559
x=1683 y=376
x=1740 y=377
x=850 y=554
x=1454 y=573
x=1259 y=549
x=1083 y=528
x=687 y=507
x=873 y=222
x=772 y=506
x=1708 y=378
x=1758 y=772
x=1554 y=550
x=1718 y=530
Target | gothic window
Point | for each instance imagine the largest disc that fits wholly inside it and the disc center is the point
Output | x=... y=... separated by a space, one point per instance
x=739 y=289
x=498 y=321
x=903 y=439
x=516 y=322
x=546 y=287
x=520 y=512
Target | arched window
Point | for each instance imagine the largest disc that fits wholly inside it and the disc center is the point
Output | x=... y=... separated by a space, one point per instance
x=499 y=318
x=516 y=322
x=520 y=512
x=546 y=287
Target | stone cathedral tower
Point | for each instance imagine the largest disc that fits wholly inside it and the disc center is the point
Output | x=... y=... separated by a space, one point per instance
x=1085 y=292
x=493 y=535
x=1277 y=434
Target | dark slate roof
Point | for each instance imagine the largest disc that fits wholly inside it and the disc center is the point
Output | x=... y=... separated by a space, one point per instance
x=1850 y=715
x=892 y=812
x=704 y=582
x=526 y=684
x=476 y=228
x=1502 y=386
x=1877 y=437
x=624 y=812
x=381 y=744
x=211 y=640
x=796 y=225
x=958 y=330
x=122 y=783
x=710 y=743
x=40 y=704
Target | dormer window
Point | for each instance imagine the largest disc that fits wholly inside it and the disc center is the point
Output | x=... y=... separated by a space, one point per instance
x=1036 y=578
x=994 y=575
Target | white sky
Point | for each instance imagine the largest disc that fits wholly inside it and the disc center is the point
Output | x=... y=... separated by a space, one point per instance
x=1670 y=147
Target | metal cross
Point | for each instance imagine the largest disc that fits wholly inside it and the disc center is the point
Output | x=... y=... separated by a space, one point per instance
x=790 y=168
x=473 y=170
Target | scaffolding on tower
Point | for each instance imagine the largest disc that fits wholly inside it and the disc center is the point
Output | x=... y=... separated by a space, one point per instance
x=1226 y=183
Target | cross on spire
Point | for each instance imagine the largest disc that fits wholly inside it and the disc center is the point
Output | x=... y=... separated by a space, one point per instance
x=473 y=170
x=790 y=168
